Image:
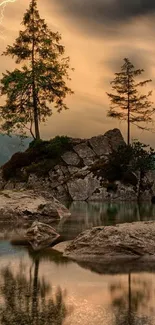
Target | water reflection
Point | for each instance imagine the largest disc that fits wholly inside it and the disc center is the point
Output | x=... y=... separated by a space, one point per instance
x=29 y=300
x=128 y=302
x=86 y=215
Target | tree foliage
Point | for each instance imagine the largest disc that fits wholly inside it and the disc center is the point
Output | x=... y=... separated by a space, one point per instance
x=128 y=159
x=40 y=84
x=127 y=103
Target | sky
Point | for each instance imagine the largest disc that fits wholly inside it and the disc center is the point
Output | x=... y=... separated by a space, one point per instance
x=97 y=36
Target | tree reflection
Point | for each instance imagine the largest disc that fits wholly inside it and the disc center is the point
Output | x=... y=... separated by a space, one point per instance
x=25 y=301
x=127 y=302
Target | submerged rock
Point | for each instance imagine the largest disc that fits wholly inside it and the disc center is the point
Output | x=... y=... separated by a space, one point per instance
x=41 y=235
x=123 y=241
x=29 y=205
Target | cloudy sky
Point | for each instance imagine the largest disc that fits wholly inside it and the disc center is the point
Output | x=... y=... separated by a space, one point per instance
x=97 y=35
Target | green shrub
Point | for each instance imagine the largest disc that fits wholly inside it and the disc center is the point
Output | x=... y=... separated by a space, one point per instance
x=50 y=149
x=41 y=168
x=39 y=158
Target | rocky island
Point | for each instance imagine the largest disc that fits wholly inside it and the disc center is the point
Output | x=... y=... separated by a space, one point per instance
x=75 y=170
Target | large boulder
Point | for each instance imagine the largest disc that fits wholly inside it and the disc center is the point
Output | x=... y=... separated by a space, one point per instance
x=80 y=189
x=29 y=205
x=104 y=144
x=100 y=145
x=123 y=241
x=114 y=138
x=41 y=235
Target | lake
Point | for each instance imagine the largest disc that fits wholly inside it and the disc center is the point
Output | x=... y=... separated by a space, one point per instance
x=47 y=289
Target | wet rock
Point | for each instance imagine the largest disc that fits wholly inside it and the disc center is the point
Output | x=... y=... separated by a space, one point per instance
x=130 y=240
x=41 y=235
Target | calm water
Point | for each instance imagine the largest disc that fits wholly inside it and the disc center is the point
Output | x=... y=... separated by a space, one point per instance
x=46 y=289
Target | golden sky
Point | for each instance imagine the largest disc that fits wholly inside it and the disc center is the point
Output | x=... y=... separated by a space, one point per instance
x=97 y=36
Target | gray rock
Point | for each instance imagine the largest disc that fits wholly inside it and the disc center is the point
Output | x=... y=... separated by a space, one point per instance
x=9 y=185
x=38 y=183
x=104 y=144
x=20 y=186
x=100 y=145
x=130 y=240
x=115 y=138
x=82 y=189
x=41 y=235
x=73 y=170
x=100 y=194
x=58 y=170
x=61 y=193
x=126 y=192
x=71 y=158
x=65 y=170
x=86 y=153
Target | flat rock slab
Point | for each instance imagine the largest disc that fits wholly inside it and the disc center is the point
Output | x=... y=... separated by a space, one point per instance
x=61 y=246
x=127 y=241
x=29 y=205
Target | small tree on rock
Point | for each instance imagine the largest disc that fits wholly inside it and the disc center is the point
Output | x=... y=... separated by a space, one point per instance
x=127 y=103
x=42 y=79
x=127 y=160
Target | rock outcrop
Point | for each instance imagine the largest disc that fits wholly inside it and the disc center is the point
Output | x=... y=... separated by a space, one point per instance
x=78 y=173
x=113 y=243
x=41 y=235
x=29 y=205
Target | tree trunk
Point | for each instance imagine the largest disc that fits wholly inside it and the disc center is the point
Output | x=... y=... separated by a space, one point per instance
x=35 y=106
x=128 y=108
x=128 y=139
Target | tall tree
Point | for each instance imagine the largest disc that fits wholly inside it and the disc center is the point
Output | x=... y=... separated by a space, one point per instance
x=31 y=90
x=127 y=103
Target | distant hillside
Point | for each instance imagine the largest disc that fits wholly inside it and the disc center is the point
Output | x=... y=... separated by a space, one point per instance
x=10 y=145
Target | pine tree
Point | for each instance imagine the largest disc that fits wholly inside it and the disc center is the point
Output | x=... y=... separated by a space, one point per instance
x=32 y=90
x=127 y=103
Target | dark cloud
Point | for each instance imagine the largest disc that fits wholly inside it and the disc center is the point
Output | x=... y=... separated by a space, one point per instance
x=141 y=59
x=112 y=10
x=107 y=13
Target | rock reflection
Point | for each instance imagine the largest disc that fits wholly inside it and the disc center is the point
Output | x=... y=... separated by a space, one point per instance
x=86 y=215
x=28 y=300
x=129 y=302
